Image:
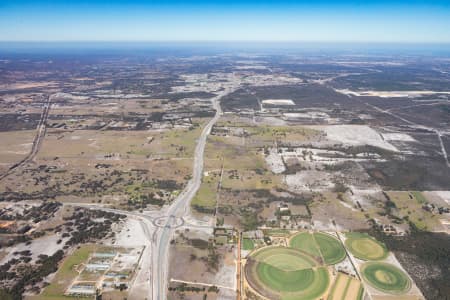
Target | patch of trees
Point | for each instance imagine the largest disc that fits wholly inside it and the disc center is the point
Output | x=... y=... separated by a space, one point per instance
x=199 y=243
x=14 y=240
x=203 y=209
x=249 y=220
x=29 y=276
x=213 y=257
x=295 y=199
x=186 y=288
x=340 y=187
x=87 y=229
x=34 y=213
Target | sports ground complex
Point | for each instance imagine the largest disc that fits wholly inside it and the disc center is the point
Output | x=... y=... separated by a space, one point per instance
x=382 y=276
x=303 y=267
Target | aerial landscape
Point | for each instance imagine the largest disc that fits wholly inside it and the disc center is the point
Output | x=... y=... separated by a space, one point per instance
x=222 y=170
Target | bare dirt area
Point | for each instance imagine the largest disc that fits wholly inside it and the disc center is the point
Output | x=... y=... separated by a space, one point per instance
x=355 y=135
x=212 y=267
x=329 y=212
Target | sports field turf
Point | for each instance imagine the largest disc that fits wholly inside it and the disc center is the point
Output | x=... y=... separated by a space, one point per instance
x=386 y=277
x=286 y=259
x=305 y=241
x=319 y=245
x=365 y=247
x=286 y=273
x=330 y=247
x=247 y=244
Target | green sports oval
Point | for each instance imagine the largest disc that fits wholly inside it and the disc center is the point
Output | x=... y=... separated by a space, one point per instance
x=385 y=277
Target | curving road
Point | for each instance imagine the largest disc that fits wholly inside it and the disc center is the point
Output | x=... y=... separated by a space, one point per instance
x=179 y=208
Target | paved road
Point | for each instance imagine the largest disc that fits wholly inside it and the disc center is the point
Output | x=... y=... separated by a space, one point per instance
x=37 y=142
x=161 y=234
x=179 y=208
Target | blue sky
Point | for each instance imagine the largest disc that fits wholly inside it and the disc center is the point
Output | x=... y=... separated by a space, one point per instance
x=314 y=21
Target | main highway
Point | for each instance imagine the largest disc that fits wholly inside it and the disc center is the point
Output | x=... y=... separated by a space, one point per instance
x=162 y=232
x=180 y=208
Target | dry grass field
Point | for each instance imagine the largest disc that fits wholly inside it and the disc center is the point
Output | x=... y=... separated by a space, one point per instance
x=104 y=165
x=14 y=146
x=409 y=205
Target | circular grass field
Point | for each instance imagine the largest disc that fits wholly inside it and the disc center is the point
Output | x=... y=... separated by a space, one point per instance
x=304 y=241
x=330 y=247
x=320 y=245
x=385 y=277
x=286 y=273
x=365 y=247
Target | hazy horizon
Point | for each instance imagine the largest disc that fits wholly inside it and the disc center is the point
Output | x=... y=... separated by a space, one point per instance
x=396 y=21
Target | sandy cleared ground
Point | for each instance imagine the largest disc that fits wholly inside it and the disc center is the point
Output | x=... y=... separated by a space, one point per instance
x=444 y=195
x=396 y=297
x=132 y=234
x=309 y=180
x=275 y=162
x=26 y=85
x=45 y=245
x=403 y=137
x=389 y=94
x=326 y=156
x=278 y=102
x=355 y=135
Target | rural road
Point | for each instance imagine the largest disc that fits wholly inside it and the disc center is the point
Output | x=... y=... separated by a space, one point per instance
x=180 y=207
x=37 y=142
x=173 y=217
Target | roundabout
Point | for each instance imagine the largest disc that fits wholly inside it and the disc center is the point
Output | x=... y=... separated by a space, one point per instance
x=385 y=277
x=168 y=222
x=286 y=273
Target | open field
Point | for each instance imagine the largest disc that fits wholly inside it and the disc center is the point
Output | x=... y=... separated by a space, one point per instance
x=385 y=277
x=409 y=205
x=205 y=199
x=240 y=147
x=107 y=166
x=346 y=288
x=365 y=247
x=14 y=146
